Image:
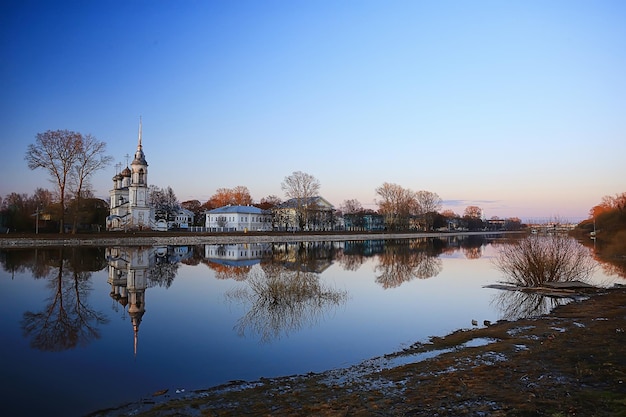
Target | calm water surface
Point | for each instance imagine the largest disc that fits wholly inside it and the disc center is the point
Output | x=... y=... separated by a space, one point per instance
x=90 y=328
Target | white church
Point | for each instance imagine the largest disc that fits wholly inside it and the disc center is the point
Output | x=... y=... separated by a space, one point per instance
x=129 y=207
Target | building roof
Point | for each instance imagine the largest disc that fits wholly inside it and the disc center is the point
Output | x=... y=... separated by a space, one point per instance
x=182 y=210
x=236 y=210
x=318 y=201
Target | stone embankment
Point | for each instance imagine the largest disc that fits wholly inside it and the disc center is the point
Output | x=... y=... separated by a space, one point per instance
x=190 y=238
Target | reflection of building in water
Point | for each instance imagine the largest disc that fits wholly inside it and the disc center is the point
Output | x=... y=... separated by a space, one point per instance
x=172 y=254
x=306 y=256
x=364 y=247
x=128 y=277
x=241 y=254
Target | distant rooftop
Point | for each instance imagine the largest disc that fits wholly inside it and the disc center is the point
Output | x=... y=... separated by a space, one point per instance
x=236 y=209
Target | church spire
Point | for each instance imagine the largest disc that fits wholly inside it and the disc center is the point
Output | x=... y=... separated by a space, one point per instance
x=139 y=144
x=140 y=158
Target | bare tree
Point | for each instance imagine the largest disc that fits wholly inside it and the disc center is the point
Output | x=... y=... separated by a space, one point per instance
x=271 y=201
x=241 y=196
x=196 y=208
x=57 y=152
x=221 y=222
x=301 y=187
x=397 y=204
x=164 y=202
x=536 y=260
x=473 y=212
x=91 y=158
x=171 y=199
x=472 y=217
x=353 y=214
x=42 y=198
x=238 y=196
x=221 y=198
x=352 y=206
x=429 y=204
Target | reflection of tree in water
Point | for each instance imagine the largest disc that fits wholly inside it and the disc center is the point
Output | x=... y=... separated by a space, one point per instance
x=472 y=253
x=355 y=253
x=610 y=252
x=67 y=321
x=238 y=273
x=612 y=268
x=517 y=304
x=162 y=273
x=472 y=246
x=350 y=261
x=196 y=255
x=402 y=262
x=305 y=256
x=40 y=261
x=282 y=301
x=37 y=261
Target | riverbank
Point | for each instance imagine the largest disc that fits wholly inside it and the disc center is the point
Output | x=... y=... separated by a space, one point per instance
x=569 y=362
x=193 y=238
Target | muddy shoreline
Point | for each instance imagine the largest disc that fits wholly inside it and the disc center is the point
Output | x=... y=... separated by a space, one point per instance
x=571 y=362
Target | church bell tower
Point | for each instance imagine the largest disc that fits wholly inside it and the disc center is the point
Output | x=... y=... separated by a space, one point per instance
x=138 y=189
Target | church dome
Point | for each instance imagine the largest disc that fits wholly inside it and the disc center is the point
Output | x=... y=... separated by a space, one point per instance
x=126 y=172
x=140 y=158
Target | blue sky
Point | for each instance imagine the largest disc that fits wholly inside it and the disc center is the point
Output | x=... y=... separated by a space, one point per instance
x=518 y=107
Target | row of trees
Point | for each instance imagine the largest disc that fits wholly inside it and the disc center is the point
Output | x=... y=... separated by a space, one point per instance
x=42 y=211
x=398 y=208
x=608 y=217
x=404 y=208
x=71 y=159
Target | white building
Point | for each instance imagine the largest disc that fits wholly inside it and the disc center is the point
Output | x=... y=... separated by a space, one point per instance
x=313 y=213
x=183 y=218
x=128 y=207
x=238 y=219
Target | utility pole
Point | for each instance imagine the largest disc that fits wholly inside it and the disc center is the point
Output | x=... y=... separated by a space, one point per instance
x=37 y=221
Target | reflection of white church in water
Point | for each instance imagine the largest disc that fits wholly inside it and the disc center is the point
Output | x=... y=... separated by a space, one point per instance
x=128 y=277
x=129 y=207
x=130 y=270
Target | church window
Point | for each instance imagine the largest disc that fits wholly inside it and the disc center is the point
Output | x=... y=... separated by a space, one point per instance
x=141 y=176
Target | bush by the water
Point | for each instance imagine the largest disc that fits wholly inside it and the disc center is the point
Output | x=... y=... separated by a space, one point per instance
x=536 y=260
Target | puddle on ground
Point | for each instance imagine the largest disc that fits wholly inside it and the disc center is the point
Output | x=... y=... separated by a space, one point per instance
x=339 y=376
x=418 y=357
